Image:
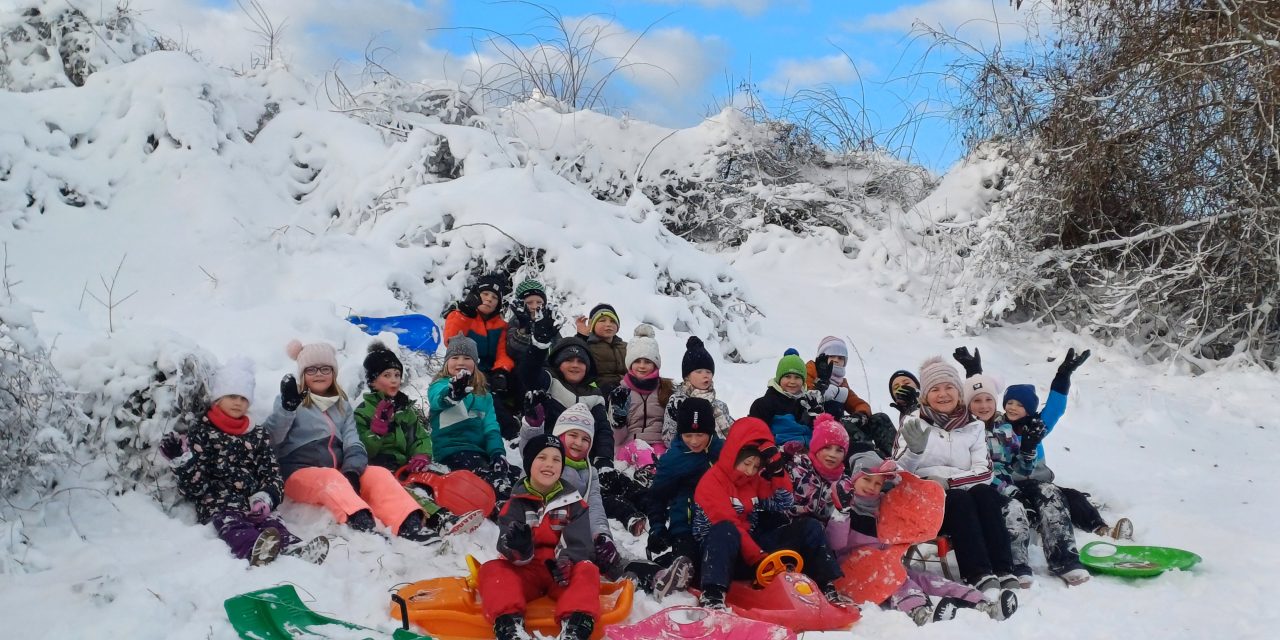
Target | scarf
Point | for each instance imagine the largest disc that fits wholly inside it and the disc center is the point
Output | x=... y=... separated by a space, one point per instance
x=323 y=402
x=829 y=474
x=866 y=505
x=837 y=376
x=643 y=386
x=227 y=424
x=775 y=386
x=944 y=421
x=575 y=464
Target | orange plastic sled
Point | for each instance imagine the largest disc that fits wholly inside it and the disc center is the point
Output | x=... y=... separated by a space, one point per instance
x=449 y=608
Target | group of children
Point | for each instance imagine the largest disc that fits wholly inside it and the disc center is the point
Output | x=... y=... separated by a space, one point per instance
x=603 y=436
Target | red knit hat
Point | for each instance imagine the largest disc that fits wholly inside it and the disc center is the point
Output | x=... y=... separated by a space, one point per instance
x=826 y=432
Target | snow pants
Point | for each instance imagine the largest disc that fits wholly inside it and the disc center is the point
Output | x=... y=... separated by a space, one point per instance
x=240 y=530
x=506 y=587
x=920 y=584
x=722 y=560
x=481 y=465
x=621 y=495
x=974 y=520
x=380 y=493
x=1047 y=512
x=1084 y=515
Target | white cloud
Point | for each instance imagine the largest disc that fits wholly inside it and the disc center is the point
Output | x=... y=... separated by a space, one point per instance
x=984 y=22
x=748 y=7
x=791 y=74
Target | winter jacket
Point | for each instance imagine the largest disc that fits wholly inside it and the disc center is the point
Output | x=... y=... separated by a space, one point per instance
x=669 y=501
x=406 y=436
x=645 y=413
x=1007 y=466
x=563 y=527
x=224 y=470
x=309 y=437
x=851 y=403
x=490 y=334
x=520 y=332
x=685 y=390
x=815 y=496
x=788 y=418
x=586 y=481
x=469 y=425
x=611 y=359
x=561 y=395
x=958 y=456
x=727 y=495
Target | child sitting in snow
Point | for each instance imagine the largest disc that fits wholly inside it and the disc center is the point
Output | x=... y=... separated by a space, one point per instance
x=528 y=308
x=464 y=426
x=569 y=377
x=748 y=480
x=599 y=329
x=574 y=428
x=546 y=547
x=313 y=431
x=479 y=317
x=870 y=476
x=395 y=435
x=698 y=371
x=786 y=406
x=227 y=468
x=669 y=500
x=637 y=405
x=825 y=373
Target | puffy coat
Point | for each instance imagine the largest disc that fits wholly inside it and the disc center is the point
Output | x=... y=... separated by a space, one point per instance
x=611 y=359
x=727 y=495
x=561 y=395
x=224 y=469
x=469 y=425
x=958 y=456
x=490 y=334
x=645 y=412
x=852 y=403
x=669 y=501
x=816 y=496
x=685 y=390
x=563 y=527
x=788 y=418
x=309 y=437
x=406 y=437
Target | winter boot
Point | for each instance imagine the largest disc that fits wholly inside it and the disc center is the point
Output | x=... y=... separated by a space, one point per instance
x=1075 y=577
x=637 y=524
x=265 y=548
x=510 y=627
x=1025 y=580
x=577 y=626
x=921 y=615
x=644 y=475
x=834 y=596
x=361 y=520
x=713 y=598
x=1123 y=529
x=987 y=583
x=947 y=608
x=313 y=551
x=1010 y=581
x=1000 y=607
x=453 y=525
x=673 y=578
x=416 y=529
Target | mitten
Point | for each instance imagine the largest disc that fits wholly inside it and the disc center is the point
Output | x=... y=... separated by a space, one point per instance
x=544 y=328
x=606 y=552
x=460 y=385
x=383 y=414
x=419 y=463
x=290 y=394
x=972 y=363
x=822 y=372
x=470 y=303
x=916 y=434
x=561 y=568
x=906 y=398
x=173 y=445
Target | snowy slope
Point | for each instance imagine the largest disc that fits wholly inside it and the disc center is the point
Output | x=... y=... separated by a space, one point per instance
x=240 y=236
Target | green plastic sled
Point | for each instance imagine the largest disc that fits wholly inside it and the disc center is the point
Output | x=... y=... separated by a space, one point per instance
x=1134 y=561
x=277 y=613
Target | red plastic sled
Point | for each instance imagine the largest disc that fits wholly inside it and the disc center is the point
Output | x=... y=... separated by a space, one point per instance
x=694 y=623
x=783 y=596
x=910 y=513
x=460 y=492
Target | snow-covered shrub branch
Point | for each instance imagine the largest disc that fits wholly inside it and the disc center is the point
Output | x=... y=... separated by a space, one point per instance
x=59 y=43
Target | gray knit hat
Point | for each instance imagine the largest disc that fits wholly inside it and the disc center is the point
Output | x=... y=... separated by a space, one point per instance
x=461 y=345
x=936 y=371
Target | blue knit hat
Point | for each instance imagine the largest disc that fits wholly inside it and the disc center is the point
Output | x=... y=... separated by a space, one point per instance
x=1023 y=393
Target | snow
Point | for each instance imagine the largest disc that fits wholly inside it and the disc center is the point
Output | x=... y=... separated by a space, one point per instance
x=237 y=237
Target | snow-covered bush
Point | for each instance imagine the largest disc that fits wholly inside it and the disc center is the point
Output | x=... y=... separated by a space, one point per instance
x=59 y=43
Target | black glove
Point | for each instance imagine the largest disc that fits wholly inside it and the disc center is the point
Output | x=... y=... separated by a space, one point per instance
x=659 y=541
x=906 y=399
x=972 y=363
x=606 y=552
x=498 y=381
x=1032 y=434
x=775 y=463
x=520 y=540
x=172 y=445
x=544 y=327
x=619 y=400
x=561 y=568
x=1072 y=362
x=469 y=304
x=460 y=386
x=822 y=372
x=290 y=395
x=354 y=479
x=883 y=433
x=521 y=315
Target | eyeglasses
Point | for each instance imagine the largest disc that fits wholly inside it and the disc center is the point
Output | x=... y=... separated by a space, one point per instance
x=318 y=371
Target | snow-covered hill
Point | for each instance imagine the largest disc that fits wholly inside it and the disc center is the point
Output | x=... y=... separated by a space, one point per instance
x=233 y=213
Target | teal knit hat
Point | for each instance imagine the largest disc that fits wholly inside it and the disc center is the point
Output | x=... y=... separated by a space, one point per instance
x=530 y=287
x=791 y=362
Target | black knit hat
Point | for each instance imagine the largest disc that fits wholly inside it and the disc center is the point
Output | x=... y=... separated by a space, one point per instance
x=572 y=347
x=535 y=445
x=695 y=357
x=491 y=282
x=380 y=359
x=695 y=415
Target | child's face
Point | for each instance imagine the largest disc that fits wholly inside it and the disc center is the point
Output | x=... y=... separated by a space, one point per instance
x=791 y=383
x=605 y=328
x=456 y=364
x=697 y=442
x=545 y=470
x=749 y=466
x=983 y=406
x=488 y=302
x=1013 y=410
x=234 y=406
x=837 y=361
x=318 y=379
x=577 y=444
x=944 y=397
x=831 y=456
x=643 y=367
x=533 y=303
x=574 y=370
x=902 y=381
x=387 y=383
x=700 y=379
x=868 y=486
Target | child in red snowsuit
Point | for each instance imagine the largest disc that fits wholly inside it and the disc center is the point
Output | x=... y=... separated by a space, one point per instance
x=546 y=548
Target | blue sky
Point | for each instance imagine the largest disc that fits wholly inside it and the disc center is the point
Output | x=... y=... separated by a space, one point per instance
x=692 y=58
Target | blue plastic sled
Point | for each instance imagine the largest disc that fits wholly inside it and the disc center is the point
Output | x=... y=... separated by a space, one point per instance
x=414 y=331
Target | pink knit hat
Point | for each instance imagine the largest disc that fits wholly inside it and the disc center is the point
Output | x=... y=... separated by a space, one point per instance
x=316 y=354
x=826 y=432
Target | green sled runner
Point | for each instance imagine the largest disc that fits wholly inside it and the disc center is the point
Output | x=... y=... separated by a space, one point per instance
x=1134 y=561
x=277 y=613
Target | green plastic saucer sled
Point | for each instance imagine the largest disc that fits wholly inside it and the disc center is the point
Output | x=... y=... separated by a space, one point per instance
x=1134 y=561
x=278 y=613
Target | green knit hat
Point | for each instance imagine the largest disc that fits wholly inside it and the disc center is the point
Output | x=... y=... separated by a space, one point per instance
x=530 y=287
x=791 y=362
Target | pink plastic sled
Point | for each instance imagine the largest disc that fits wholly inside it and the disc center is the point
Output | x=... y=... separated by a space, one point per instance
x=694 y=623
